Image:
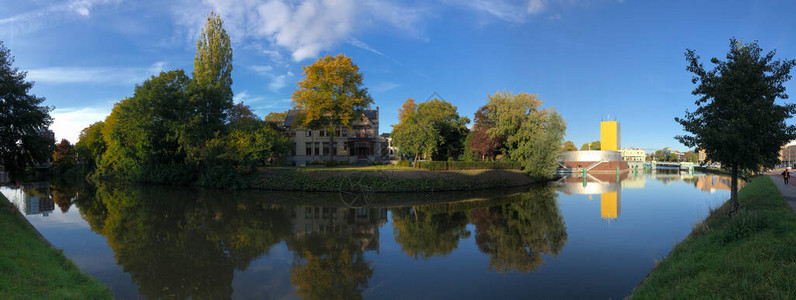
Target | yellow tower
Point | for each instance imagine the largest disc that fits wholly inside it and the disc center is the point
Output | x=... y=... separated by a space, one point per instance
x=609 y=136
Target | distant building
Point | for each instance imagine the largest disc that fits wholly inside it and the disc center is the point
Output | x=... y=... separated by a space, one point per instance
x=633 y=154
x=360 y=142
x=787 y=155
x=388 y=150
x=47 y=133
x=607 y=160
x=701 y=155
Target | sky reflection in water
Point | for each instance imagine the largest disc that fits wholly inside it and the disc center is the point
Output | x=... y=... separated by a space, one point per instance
x=595 y=238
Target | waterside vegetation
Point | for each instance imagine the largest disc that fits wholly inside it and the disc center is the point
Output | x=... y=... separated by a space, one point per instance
x=31 y=268
x=750 y=256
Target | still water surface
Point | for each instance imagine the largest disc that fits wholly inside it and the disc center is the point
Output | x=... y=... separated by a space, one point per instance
x=593 y=238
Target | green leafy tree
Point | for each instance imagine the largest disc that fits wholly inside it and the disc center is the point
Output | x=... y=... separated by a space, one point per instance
x=331 y=94
x=469 y=154
x=533 y=136
x=691 y=157
x=90 y=145
x=417 y=138
x=537 y=145
x=211 y=87
x=21 y=118
x=450 y=128
x=142 y=132
x=737 y=121
x=591 y=146
x=568 y=146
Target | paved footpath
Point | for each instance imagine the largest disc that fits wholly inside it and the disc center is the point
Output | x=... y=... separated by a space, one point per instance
x=788 y=191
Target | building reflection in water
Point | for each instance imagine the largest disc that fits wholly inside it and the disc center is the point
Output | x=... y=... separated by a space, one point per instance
x=32 y=199
x=360 y=223
x=608 y=187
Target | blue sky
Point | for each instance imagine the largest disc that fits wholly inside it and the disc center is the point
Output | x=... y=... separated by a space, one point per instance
x=591 y=60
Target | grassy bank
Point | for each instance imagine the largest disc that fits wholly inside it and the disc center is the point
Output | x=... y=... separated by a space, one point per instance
x=384 y=180
x=750 y=256
x=31 y=268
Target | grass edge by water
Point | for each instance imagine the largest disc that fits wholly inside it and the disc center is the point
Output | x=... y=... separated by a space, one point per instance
x=32 y=268
x=750 y=256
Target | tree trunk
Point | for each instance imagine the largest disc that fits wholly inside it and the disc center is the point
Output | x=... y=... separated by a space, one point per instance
x=734 y=190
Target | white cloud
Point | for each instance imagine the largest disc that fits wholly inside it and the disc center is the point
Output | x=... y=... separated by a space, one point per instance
x=68 y=122
x=519 y=11
x=360 y=44
x=49 y=16
x=96 y=75
x=305 y=28
x=506 y=10
x=261 y=69
x=244 y=97
x=279 y=82
x=385 y=86
x=535 y=6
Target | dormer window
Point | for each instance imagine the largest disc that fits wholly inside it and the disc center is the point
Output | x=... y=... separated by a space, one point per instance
x=309 y=132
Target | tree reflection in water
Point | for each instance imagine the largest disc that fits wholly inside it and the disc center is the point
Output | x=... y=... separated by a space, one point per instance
x=328 y=244
x=424 y=233
x=515 y=231
x=515 y=235
x=181 y=243
x=187 y=243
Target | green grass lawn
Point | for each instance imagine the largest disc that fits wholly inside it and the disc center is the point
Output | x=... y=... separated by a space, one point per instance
x=752 y=256
x=31 y=269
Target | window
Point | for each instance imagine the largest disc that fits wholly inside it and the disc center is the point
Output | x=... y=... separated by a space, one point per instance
x=308 y=150
x=293 y=150
x=317 y=148
x=309 y=132
x=345 y=146
x=325 y=148
x=334 y=148
x=322 y=133
x=345 y=131
x=337 y=132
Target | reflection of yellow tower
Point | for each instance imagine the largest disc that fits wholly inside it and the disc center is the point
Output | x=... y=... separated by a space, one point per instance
x=609 y=136
x=610 y=205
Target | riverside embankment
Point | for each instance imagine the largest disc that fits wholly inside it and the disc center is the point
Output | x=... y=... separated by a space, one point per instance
x=30 y=268
x=750 y=256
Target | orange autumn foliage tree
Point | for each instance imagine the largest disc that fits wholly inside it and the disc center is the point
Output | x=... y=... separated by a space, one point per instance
x=331 y=94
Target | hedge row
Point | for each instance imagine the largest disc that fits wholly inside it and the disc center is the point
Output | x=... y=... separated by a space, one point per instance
x=467 y=165
x=293 y=180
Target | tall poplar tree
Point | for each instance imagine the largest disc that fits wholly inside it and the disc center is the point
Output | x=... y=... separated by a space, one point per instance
x=211 y=85
x=737 y=121
x=21 y=117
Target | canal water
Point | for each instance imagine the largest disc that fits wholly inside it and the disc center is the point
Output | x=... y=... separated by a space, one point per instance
x=593 y=237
